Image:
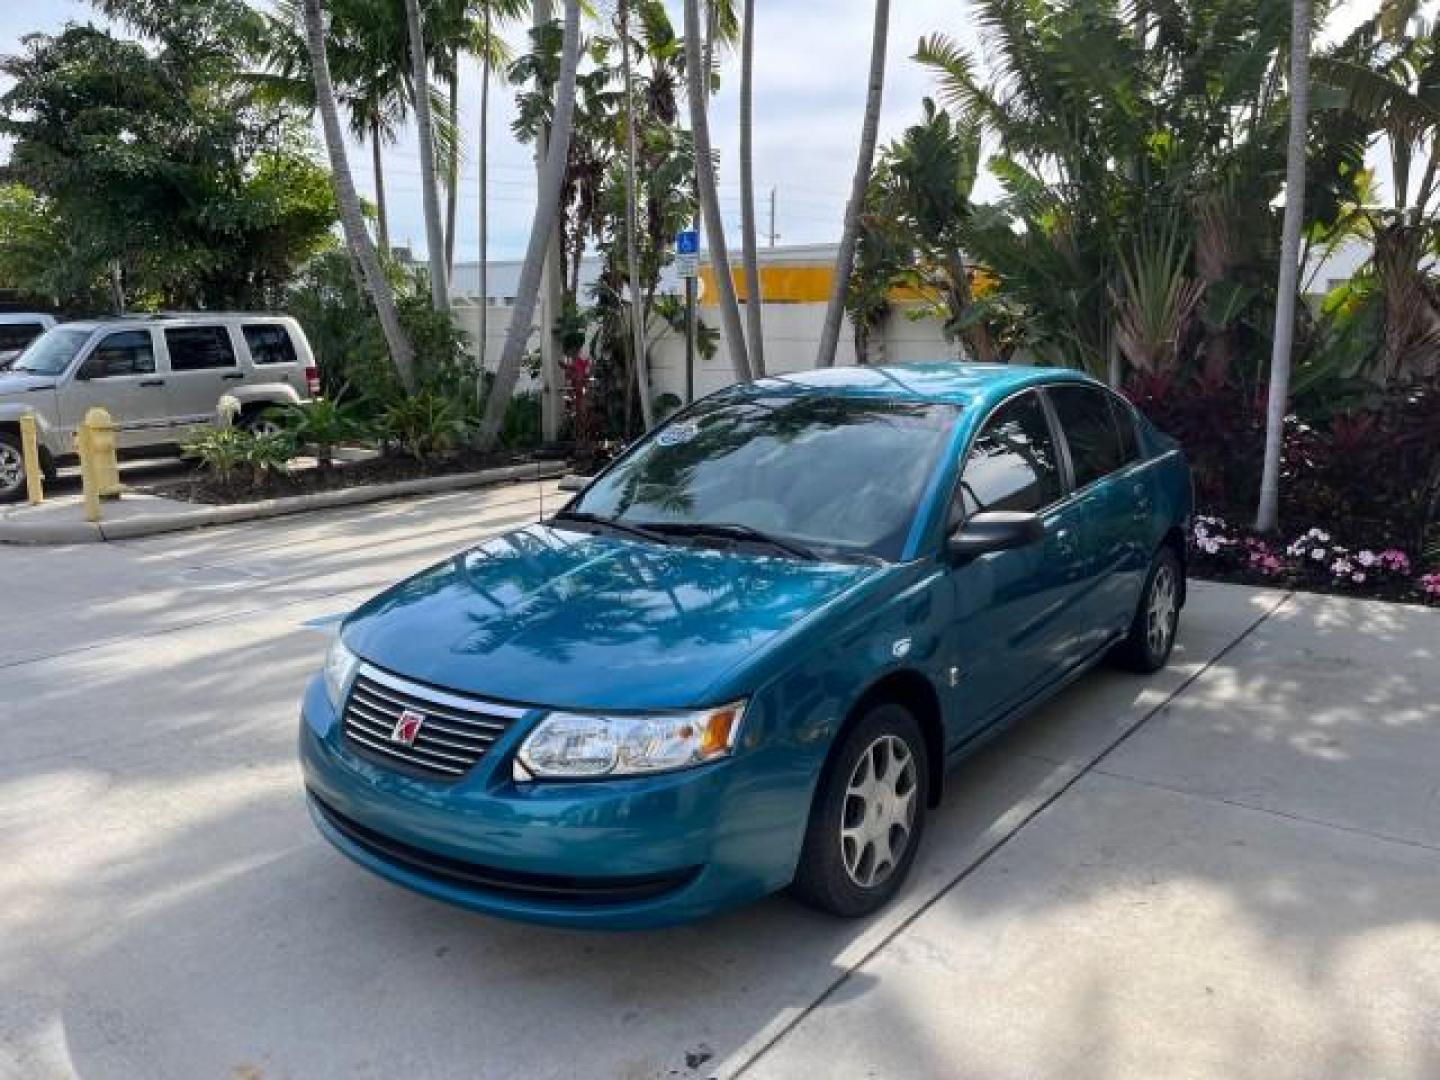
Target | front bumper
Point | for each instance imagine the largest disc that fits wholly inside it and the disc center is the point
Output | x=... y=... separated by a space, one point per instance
x=614 y=854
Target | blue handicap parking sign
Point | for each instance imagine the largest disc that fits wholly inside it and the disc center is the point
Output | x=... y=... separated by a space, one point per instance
x=687 y=242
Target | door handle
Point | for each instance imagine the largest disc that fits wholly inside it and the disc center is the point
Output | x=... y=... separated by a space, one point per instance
x=233 y=375
x=152 y=382
x=1065 y=541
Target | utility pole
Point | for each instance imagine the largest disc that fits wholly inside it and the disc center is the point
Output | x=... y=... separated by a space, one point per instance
x=773 y=234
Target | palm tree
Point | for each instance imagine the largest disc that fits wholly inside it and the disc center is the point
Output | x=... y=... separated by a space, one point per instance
x=697 y=79
x=351 y=218
x=869 y=134
x=632 y=241
x=542 y=229
x=753 y=297
x=1267 y=517
x=434 y=229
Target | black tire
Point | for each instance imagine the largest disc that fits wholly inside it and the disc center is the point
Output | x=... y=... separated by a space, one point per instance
x=826 y=878
x=264 y=420
x=12 y=468
x=1151 y=639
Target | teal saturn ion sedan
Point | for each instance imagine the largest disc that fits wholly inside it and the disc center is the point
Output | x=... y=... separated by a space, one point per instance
x=748 y=655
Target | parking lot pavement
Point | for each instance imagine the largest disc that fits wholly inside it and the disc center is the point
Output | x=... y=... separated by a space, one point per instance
x=1231 y=869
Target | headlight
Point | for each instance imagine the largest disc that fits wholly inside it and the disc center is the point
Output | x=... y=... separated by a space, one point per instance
x=573 y=747
x=340 y=665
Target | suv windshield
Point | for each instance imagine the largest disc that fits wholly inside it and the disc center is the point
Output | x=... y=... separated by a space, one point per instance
x=51 y=352
x=836 y=474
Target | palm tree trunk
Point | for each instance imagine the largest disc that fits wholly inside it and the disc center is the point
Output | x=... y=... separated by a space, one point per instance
x=547 y=209
x=424 y=123
x=698 y=81
x=483 y=155
x=753 y=297
x=869 y=134
x=351 y=219
x=382 y=213
x=632 y=241
x=1267 y=517
x=452 y=164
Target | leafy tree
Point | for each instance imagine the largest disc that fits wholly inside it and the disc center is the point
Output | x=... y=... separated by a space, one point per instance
x=154 y=162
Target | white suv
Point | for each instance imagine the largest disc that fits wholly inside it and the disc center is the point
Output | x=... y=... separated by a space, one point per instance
x=160 y=377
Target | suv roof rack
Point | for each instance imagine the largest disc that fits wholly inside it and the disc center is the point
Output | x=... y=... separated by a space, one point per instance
x=161 y=316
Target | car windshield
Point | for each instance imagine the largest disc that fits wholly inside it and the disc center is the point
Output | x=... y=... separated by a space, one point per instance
x=51 y=352
x=838 y=475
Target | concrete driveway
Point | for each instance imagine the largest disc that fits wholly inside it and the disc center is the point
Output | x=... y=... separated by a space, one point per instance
x=1228 y=870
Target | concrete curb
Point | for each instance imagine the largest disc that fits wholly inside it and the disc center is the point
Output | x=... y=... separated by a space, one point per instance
x=83 y=532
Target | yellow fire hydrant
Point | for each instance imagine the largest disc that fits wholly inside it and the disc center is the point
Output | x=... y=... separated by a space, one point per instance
x=99 y=466
x=30 y=452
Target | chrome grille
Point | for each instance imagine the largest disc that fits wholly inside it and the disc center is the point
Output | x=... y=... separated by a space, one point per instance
x=455 y=733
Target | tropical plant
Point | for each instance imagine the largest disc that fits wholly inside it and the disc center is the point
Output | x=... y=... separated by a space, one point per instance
x=324 y=425
x=1267 y=515
x=632 y=225
x=754 y=299
x=425 y=425
x=697 y=68
x=356 y=237
x=225 y=453
x=547 y=210
x=869 y=133
x=150 y=167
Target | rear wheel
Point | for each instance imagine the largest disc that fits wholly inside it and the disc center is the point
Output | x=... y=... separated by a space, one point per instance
x=261 y=422
x=1152 y=632
x=12 y=467
x=868 y=816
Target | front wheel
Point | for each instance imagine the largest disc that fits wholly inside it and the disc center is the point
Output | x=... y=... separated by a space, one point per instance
x=1151 y=638
x=868 y=816
x=12 y=468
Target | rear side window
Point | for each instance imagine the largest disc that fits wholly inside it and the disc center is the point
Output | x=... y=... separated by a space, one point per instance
x=198 y=348
x=1090 y=431
x=118 y=355
x=17 y=335
x=270 y=344
x=1012 y=464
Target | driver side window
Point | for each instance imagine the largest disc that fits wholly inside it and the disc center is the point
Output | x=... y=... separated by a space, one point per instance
x=1012 y=463
x=129 y=352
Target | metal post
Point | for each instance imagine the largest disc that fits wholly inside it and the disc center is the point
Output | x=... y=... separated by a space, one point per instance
x=30 y=452
x=689 y=340
x=773 y=234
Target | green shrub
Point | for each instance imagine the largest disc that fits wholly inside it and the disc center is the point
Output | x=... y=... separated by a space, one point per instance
x=324 y=424
x=424 y=426
x=227 y=452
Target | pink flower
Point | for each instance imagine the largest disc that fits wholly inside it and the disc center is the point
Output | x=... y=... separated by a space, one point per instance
x=1357 y=577
x=1367 y=558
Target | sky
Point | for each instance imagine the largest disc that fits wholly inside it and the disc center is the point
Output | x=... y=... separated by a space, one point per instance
x=811 y=65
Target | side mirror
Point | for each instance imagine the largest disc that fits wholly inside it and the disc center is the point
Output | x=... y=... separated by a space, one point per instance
x=994 y=530
x=574 y=482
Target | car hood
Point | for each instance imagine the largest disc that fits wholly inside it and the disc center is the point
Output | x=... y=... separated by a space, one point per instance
x=548 y=616
x=14 y=382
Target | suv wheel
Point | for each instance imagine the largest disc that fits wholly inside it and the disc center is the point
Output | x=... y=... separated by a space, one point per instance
x=261 y=422
x=1152 y=632
x=12 y=467
x=868 y=817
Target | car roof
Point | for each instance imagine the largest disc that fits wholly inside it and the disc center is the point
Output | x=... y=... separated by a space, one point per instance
x=167 y=318
x=8 y=317
x=939 y=381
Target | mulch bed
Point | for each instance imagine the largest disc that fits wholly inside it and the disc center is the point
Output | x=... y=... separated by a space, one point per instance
x=204 y=488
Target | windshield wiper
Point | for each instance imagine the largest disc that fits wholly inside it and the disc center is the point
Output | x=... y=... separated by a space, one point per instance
x=734 y=531
x=583 y=517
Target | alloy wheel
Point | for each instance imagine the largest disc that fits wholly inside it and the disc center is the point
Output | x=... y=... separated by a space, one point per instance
x=1160 y=613
x=879 y=812
x=12 y=468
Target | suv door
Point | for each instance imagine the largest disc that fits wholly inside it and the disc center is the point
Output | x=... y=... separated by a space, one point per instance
x=1113 y=495
x=203 y=366
x=1011 y=628
x=119 y=374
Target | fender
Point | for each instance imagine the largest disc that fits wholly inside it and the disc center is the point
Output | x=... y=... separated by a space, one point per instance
x=51 y=438
x=276 y=393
